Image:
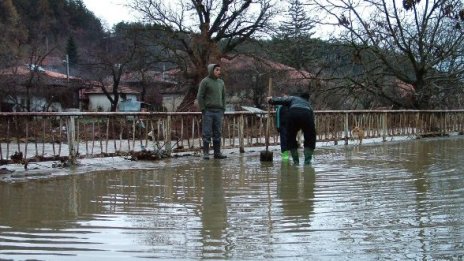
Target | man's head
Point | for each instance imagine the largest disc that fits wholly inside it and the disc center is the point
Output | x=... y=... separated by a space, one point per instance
x=283 y=91
x=214 y=70
x=217 y=71
x=304 y=95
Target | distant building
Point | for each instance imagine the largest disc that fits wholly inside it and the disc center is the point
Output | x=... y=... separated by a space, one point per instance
x=45 y=90
x=94 y=99
x=161 y=89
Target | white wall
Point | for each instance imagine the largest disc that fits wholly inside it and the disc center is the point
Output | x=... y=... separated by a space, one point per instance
x=100 y=100
x=172 y=101
x=37 y=103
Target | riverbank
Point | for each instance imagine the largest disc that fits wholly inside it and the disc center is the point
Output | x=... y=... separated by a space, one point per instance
x=57 y=169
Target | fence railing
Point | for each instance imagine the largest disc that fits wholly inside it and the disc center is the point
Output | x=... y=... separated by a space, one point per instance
x=26 y=137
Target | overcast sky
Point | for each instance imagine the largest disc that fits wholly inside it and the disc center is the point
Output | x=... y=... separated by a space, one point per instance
x=110 y=12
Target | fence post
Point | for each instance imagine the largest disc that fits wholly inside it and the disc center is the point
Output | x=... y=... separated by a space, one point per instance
x=71 y=129
x=241 y=124
x=168 y=135
x=418 y=131
x=346 y=129
x=384 y=126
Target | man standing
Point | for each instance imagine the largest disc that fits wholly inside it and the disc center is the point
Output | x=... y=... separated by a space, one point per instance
x=212 y=103
x=300 y=117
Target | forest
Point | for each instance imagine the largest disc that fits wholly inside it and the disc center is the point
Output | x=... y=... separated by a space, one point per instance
x=401 y=55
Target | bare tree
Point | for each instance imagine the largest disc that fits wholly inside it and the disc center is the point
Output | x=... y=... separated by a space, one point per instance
x=419 y=43
x=116 y=55
x=202 y=32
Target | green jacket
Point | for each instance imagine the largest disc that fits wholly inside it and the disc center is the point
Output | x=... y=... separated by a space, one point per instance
x=211 y=92
x=281 y=117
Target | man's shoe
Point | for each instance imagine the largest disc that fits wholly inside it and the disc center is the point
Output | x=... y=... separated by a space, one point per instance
x=206 y=150
x=295 y=156
x=284 y=156
x=217 y=151
x=308 y=153
x=220 y=156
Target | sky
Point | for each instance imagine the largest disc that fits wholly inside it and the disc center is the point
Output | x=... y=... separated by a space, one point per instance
x=110 y=12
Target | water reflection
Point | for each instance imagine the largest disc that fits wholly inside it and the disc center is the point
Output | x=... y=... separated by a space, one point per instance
x=296 y=191
x=22 y=204
x=214 y=211
x=431 y=164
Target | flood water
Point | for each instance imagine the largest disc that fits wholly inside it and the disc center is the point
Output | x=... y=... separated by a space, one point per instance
x=399 y=201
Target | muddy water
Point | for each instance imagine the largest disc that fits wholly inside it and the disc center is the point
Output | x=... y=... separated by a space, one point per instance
x=388 y=201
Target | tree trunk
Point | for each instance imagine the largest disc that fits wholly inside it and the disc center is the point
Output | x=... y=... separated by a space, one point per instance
x=188 y=101
x=198 y=73
x=203 y=52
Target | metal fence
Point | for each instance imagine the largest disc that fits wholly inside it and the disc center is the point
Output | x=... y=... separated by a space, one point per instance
x=66 y=136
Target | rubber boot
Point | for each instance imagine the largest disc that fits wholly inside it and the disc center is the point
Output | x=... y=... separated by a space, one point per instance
x=308 y=154
x=217 y=151
x=206 y=150
x=295 y=156
x=284 y=155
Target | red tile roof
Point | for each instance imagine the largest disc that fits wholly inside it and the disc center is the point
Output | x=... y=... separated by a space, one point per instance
x=121 y=89
x=244 y=63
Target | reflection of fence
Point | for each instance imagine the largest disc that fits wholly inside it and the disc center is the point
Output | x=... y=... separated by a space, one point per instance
x=51 y=136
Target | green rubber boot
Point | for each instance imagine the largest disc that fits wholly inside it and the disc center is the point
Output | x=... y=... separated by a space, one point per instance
x=295 y=156
x=284 y=156
x=308 y=154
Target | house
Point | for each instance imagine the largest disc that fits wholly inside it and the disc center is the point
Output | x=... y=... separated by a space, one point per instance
x=95 y=99
x=160 y=89
x=257 y=68
x=167 y=89
x=172 y=96
x=247 y=79
x=33 y=88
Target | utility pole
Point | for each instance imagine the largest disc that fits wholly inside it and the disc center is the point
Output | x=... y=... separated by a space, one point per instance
x=66 y=61
x=67 y=68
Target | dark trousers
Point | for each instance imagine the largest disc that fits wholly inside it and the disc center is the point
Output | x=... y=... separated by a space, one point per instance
x=212 y=125
x=301 y=119
x=282 y=118
x=283 y=138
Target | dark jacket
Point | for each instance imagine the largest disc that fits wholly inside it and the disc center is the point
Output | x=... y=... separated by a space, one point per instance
x=292 y=102
x=211 y=92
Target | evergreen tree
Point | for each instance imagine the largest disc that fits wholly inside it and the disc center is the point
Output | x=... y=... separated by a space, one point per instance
x=13 y=33
x=71 y=50
x=297 y=24
x=294 y=32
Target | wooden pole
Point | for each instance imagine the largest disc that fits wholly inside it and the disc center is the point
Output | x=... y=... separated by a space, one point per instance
x=268 y=155
x=268 y=123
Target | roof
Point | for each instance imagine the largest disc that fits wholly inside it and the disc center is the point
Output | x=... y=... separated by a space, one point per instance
x=246 y=63
x=255 y=110
x=252 y=109
x=121 y=89
x=24 y=70
x=167 y=77
x=22 y=74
